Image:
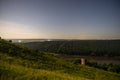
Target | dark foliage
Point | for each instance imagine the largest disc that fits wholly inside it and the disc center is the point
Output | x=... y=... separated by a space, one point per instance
x=106 y=48
x=107 y=67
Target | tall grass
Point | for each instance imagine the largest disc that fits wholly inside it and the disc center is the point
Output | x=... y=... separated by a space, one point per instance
x=11 y=68
x=17 y=72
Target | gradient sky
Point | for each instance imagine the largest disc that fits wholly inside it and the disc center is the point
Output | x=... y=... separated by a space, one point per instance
x=60 y=19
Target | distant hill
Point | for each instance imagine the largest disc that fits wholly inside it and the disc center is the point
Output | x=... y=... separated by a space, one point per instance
x=18 y=62
x=108 y=48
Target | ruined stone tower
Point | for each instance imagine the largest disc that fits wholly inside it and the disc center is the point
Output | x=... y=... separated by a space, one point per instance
x=83 y=61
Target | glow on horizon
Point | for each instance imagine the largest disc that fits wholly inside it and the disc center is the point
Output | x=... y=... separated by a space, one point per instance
x=10 y=30
x=13 y=30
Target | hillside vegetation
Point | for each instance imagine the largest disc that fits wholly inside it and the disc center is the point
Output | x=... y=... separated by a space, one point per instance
x=21 y=63
x=79 y=47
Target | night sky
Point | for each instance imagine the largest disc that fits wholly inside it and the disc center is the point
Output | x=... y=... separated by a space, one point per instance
x=60 y=19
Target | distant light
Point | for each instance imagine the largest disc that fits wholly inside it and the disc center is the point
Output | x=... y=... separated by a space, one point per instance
x=19 y=41
x=48 y=40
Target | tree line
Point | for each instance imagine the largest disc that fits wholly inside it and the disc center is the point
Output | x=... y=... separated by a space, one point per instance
x=106 y=48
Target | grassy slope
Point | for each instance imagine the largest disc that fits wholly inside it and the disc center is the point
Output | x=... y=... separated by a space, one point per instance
x=44 y=66
x=17 y=72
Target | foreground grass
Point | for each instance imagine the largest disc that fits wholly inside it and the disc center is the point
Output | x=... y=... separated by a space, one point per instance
x=11 y=68
x=16 y=72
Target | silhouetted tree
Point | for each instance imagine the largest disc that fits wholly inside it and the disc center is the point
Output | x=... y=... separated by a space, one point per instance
x=10 y=40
